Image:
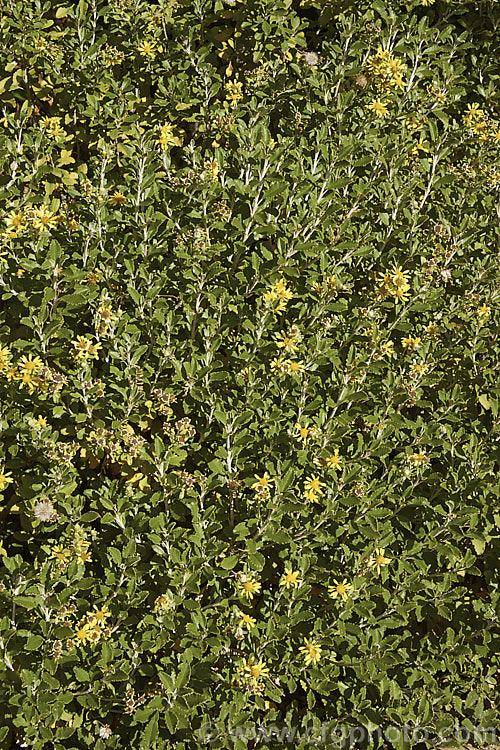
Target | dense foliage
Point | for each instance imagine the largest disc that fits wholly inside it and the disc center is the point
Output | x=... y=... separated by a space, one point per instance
x=249 y=364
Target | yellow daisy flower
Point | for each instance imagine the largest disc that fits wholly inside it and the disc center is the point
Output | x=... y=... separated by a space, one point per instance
x=340 y=589
x=379 y=107
x=5 y=479
x=311 y=652
x=290 y=578
x=252 y=671
x=262 y=482
x=248 y=587
x=378 y=559
x=246 y=621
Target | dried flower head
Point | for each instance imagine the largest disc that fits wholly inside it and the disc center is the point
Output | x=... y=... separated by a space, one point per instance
x=44 y=511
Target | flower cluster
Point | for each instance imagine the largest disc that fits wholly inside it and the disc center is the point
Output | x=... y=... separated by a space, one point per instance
x=419 y=459
x=480 y=125
x=105 y=318
x=84 y=349
x=60 y=452
x=278 y=296
x=122 y=444
x=312 y=489
x=92 y=627
x=52 y=126
x=385 y=70
x=281 y=366
x=159 y=403
x=234 y=92
x=133 y=701
x=78 y=551
x=262 y=487
x=111 y=56
x=34 y=219
x=167 y=138
x=394 y=283
x=181 y=431
x=30 y=371
x=251 y=674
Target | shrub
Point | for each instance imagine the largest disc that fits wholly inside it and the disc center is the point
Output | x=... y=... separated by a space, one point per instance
x=249 y=351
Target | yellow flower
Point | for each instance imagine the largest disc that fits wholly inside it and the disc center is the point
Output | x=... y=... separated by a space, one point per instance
x=5 y=478
x=278 y=366
x=5 y=358
x=281 y=290
x=399 y=277
x=313 y=484
x=380 y=108
x=246 y=621
x=82 y=556
x=386 y=70
x=212 y=169
x=234 y=94
x=16 y=220
x=248 y=587
x=418 y=368
x=340 y=589
x=311 y=652
x=303 y=432
x=312 y=489
x=334 y=461
x=60 y=554
x=38 y=422
x=93 y=277
x=147 y=49
x=418 y=459
x=83 y=633
x=401 y=293
x=117 y=199
x=164 y=602
x=286 y=342
x=81 y=544
x=294 y=367
x=167 y=137
x=92 y=351
x=290 y=578
x=12 y=374
x=252 y=671
x=55 y=130
x=378 y=559
x=411 y=342
x=83 y=348
x=43 y=218
x=100 y=615
x=278 y=291
x=387 y=347
x=262 y=482
x=310 y=496
x=106 y=313
x=30 y=365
